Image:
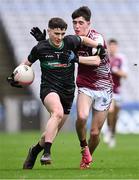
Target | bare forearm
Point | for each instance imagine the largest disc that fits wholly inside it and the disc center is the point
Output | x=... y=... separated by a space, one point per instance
x=90 y=60
x=89 y=42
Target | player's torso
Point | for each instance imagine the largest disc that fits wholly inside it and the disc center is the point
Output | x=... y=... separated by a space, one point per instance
x=94 y=77
x=116 y=62
x=56 y=72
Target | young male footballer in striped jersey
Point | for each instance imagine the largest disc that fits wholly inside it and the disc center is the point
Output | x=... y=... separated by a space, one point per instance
x=94 y=87
x=57 y=56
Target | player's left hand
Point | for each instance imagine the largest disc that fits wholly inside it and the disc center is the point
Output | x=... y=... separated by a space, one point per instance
x=12 y=82
x=38 y=34
x=101 y=51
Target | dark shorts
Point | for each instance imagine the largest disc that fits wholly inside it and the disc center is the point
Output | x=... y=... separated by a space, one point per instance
x=66 y=99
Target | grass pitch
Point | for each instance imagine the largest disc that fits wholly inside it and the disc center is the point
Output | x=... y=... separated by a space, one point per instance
x=121 y=162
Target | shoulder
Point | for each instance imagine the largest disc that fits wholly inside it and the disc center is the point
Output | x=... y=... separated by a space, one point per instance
x=42 y=43
x=72 y=38
x=96 y=36
x=72 y=41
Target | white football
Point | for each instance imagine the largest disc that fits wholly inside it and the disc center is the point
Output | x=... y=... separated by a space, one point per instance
x=24 y=74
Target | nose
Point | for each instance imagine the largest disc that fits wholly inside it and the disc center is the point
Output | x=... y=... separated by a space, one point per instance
x=60 y=36
x=76 y=25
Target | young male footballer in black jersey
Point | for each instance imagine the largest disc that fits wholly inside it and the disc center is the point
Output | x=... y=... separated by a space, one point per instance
x=57 y=58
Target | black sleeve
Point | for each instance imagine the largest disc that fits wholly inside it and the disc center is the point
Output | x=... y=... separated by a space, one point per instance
x=73 y=41
x=33 y=56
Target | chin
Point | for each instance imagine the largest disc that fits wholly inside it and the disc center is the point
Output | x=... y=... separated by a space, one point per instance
x=58 y=45
x=77 y=32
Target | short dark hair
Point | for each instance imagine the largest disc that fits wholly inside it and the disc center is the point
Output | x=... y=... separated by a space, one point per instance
x=57 y=22
x=112 y=40
x=83 y=11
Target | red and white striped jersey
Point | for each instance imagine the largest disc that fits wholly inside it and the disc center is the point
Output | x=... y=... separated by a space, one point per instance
x=94 y=77
x=119 y=62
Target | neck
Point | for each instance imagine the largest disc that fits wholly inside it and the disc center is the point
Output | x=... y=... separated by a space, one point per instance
x=57 y=47
x=87 y=32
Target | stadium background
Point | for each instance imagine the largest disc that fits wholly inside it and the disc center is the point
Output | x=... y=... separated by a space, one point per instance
x=21 y=109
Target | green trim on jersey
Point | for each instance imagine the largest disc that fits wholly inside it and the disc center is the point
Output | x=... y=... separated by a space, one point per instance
x=54 y=47
x=79 y=38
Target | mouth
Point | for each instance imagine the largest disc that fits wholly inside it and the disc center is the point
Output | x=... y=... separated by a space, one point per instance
x=77 y=31
x=58 y=42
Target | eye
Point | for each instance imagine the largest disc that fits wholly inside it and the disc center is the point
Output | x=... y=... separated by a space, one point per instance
x=74 y=22
x=81 y=23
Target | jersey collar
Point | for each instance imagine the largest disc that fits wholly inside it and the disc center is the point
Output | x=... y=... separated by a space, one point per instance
x=54 y=47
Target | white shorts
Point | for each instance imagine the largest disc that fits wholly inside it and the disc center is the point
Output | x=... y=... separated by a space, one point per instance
x=101 y=99
x=117 y=98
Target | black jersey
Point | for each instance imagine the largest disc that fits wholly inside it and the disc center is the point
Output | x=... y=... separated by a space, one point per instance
x=56 y=73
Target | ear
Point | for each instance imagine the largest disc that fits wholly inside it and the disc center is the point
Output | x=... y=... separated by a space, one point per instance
x=48 y=30
x=89 y=23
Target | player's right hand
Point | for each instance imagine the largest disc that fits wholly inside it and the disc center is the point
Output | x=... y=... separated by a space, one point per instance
x=38 y=34
x=12 y=82
x=101 y=51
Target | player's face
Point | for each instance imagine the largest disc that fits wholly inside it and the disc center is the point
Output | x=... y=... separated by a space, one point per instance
x=113 y=48
x=56 y=36
x=81 y=26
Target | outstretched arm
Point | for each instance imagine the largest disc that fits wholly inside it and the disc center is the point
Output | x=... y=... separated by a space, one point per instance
x=88 y=42
x=101 y=51
x=90 y=60
x=71 y=57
